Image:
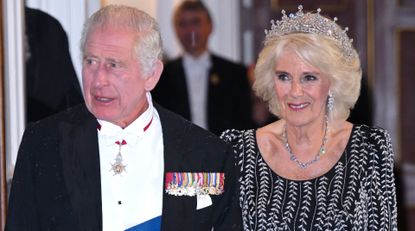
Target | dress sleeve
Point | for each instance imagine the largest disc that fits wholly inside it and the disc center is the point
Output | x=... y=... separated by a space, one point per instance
x=233 y=218
x=235 y=138
x=381 y=183
x=229 y=136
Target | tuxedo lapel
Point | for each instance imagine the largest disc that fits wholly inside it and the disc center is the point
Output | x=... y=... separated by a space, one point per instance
x=215 y=74
x=215 y=95
x=175 y=209
x=80 y=161
x=214 y=85
x=172 y=156
x=181 y=96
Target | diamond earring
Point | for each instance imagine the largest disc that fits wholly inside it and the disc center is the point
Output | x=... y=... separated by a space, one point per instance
x=330 y=102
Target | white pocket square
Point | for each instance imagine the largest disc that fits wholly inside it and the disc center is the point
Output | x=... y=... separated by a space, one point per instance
x=203 y=201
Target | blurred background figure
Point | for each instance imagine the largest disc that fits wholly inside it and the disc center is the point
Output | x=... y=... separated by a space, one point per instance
x=209 y=90
x=51 y=81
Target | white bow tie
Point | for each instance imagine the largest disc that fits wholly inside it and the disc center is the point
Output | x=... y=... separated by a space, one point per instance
x=129 y=137
x=112 y=133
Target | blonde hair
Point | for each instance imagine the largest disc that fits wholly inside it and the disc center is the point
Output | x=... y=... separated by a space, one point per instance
x=319 y=51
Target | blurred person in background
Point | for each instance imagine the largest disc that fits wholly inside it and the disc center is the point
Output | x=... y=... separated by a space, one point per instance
x=209 y=90
x=51 y=81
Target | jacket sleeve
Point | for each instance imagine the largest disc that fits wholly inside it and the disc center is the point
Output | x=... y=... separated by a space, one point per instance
x=230 y=216
x=21 y=214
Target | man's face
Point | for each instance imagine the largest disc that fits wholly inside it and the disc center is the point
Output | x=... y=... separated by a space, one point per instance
x=193 y=29
x=113 y=83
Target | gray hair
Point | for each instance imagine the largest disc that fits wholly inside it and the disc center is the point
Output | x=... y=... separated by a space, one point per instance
x=319 y=51
x=148 y=47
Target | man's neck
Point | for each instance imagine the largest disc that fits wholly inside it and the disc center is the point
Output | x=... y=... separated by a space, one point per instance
x=196 y=54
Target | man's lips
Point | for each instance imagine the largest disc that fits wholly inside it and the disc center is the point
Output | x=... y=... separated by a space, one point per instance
x=103 y=99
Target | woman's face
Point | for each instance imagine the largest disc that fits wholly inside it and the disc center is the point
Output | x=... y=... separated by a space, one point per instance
x=301 y=90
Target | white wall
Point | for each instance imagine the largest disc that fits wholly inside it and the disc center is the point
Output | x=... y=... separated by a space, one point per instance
x=225 y=39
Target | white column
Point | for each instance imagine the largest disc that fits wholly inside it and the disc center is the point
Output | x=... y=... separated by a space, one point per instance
x=164 y=17
x=226 y=38
x=14 y=85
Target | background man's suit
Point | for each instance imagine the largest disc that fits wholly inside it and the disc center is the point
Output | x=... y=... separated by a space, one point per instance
x=60 y=156
x=228 y=97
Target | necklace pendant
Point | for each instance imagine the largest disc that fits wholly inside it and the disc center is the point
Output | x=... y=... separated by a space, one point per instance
x=303 y=165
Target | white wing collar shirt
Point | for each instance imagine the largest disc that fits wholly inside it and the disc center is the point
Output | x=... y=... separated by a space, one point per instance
x=132 y=164
x=197 y=76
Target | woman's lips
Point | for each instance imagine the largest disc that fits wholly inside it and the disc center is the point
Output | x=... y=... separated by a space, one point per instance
x=298 y=106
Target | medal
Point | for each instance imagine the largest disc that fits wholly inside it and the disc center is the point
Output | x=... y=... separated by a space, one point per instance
x=118 y=167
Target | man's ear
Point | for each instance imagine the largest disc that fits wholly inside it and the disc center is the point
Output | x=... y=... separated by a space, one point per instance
x=153 y=77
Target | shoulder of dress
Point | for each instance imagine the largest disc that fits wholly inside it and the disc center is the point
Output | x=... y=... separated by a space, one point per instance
x=378 y=141
x=371 y=131
x=232 y=135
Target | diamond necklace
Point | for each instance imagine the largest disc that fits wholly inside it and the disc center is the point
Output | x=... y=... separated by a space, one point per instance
x=322 y=150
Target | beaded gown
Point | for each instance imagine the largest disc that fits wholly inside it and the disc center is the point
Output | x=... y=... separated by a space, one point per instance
x=358 y=193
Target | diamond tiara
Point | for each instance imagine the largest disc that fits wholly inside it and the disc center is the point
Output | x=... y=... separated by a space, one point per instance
x=313 y=23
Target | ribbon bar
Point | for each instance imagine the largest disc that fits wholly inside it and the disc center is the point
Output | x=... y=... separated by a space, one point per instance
x=194 y=183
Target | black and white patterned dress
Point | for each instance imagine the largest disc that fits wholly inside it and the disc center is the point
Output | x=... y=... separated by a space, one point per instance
x=358 y=193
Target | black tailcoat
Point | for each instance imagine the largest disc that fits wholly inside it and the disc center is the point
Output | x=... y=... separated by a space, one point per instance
x=56 y=184
x=228 y=95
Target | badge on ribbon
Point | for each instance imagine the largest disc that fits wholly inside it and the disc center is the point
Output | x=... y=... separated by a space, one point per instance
x=214 y=79
x=194 y=183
